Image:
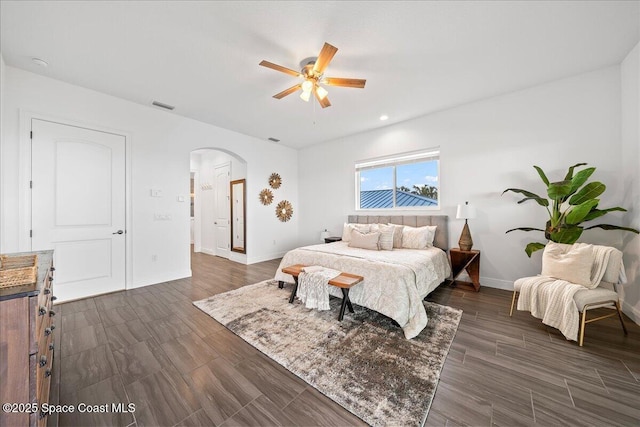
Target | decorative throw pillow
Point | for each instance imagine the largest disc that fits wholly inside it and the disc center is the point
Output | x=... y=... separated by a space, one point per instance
x=364 y=241
x=567 y=262
x=397 y=235
x=348 y=228
x=386 y=236
x=418 y=237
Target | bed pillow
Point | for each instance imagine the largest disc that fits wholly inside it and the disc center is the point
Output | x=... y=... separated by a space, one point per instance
x=570 y=263
x=397 y=235
x=386 y=236
x=348 y=228
x=418 y=237
x=365 y=241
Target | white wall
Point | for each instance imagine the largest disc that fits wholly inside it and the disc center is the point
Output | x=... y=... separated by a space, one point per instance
x=630 y=162
x=2 y=95
x=160 y=146
x=486 y=147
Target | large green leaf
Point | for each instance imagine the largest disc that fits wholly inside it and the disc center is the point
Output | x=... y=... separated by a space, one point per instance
x=613 y=227
x=530 y=196
x=532 y=247
x=569 y=174
x=542 y=175
x=524 y=229
x=540 y=200
x=580 y=178
x=589 y=191
x=579 y=213
x=597 y=213
x=568 y=234
x=558 y=190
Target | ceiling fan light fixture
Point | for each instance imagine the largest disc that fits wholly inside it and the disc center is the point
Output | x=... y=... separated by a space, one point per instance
x=322 y=92
x=307 y=85
x=305 y=95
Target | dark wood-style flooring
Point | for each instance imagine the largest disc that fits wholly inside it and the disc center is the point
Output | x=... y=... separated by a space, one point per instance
x=151 y=347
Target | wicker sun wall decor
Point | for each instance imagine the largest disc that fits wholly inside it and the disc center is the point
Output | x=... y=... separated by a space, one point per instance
x=284 y=210
x=266 y=197
x=275 y=181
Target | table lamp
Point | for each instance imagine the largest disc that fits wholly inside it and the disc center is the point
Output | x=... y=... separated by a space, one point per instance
x=466 y=212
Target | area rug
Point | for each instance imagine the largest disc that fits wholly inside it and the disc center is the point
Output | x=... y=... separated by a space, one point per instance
x=363 y=363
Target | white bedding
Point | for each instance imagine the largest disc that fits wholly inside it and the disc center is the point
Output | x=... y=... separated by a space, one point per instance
x=395 y=282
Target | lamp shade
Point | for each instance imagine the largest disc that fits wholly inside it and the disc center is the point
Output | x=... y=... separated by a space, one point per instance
x=466 y=211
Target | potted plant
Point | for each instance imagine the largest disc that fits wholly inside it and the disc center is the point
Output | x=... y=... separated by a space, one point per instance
x=569 y=203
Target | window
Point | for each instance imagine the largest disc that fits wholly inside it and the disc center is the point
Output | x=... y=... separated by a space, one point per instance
x=405 y=181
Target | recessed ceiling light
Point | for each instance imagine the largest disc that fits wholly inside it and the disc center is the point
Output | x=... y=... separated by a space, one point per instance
x=40 y=62
x=384 y=117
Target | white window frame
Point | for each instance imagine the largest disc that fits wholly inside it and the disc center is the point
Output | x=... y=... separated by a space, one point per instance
x=393 y=161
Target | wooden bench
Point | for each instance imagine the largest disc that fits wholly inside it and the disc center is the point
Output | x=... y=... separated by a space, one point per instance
x=344 y=281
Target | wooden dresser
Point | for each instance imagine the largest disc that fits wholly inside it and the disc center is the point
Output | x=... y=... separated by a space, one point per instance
x=26 y=347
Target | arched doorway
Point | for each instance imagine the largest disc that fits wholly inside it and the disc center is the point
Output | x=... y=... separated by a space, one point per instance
x=212 y=171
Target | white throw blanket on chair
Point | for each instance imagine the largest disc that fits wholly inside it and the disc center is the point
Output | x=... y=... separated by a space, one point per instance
x=313 y=287
x=552 y=300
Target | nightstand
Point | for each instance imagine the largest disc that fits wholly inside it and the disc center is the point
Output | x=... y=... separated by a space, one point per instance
x=332 y=239
x=468 y=261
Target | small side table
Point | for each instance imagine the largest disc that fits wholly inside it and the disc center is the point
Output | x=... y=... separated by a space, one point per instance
x=332 y=239
x=468 y=261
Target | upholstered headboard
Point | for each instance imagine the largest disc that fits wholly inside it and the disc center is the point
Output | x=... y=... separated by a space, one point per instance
x=441 y=239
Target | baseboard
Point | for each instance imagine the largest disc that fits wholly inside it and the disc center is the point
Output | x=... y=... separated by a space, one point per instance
x=632 y=312
x=166 y=277
x=496 y=283
x=208 y=251
x=266 y=257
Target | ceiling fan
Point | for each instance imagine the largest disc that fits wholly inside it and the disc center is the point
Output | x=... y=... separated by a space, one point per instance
x=312 y=73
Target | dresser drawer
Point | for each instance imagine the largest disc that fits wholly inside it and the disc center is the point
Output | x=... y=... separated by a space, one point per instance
x=27 y=325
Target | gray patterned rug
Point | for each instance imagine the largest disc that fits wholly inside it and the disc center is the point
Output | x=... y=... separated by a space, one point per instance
x=363 y=363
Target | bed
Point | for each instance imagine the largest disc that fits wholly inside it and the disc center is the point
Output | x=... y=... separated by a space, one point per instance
x=395 y=282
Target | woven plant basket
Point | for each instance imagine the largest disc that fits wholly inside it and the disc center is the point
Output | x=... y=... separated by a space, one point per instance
x=18 y=270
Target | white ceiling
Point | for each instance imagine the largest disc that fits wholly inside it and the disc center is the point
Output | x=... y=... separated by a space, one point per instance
x=417 y=57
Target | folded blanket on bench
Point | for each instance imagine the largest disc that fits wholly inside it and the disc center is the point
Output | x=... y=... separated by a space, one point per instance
x=313 y=287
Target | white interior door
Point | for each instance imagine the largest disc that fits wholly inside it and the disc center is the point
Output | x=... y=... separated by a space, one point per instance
x=222 y=178
x=78 y=206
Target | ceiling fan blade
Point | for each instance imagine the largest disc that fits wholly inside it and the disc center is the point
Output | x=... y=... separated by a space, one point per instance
x=326 y=55
x=287 y=91
x=338 y=81
x=324 y=102
x=280 y=68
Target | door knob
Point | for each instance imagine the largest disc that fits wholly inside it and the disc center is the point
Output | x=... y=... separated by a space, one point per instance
x=118 y=232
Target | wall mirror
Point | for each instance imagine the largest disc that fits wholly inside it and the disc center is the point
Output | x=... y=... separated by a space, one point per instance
x=238 y=216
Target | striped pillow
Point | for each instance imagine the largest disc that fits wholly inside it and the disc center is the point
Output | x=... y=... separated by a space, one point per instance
x=386 y=236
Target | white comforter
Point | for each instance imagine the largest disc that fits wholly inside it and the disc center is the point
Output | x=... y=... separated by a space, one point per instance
x=395 y=282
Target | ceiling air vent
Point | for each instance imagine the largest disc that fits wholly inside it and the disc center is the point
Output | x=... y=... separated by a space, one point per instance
x=273 y=139
x=162 y=105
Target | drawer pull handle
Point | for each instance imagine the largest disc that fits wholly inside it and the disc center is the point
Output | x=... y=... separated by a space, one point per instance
x=47 y=373
x=47 y=331
x=53 y=326
x=42 y=311
x=47 y=291
x=52 y=313
x=51 y=278
x=52 y=269
x=54 y=298
x=51 y=345
x=43 y=361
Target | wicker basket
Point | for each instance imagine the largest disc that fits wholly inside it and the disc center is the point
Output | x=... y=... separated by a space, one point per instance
x=18 y=270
